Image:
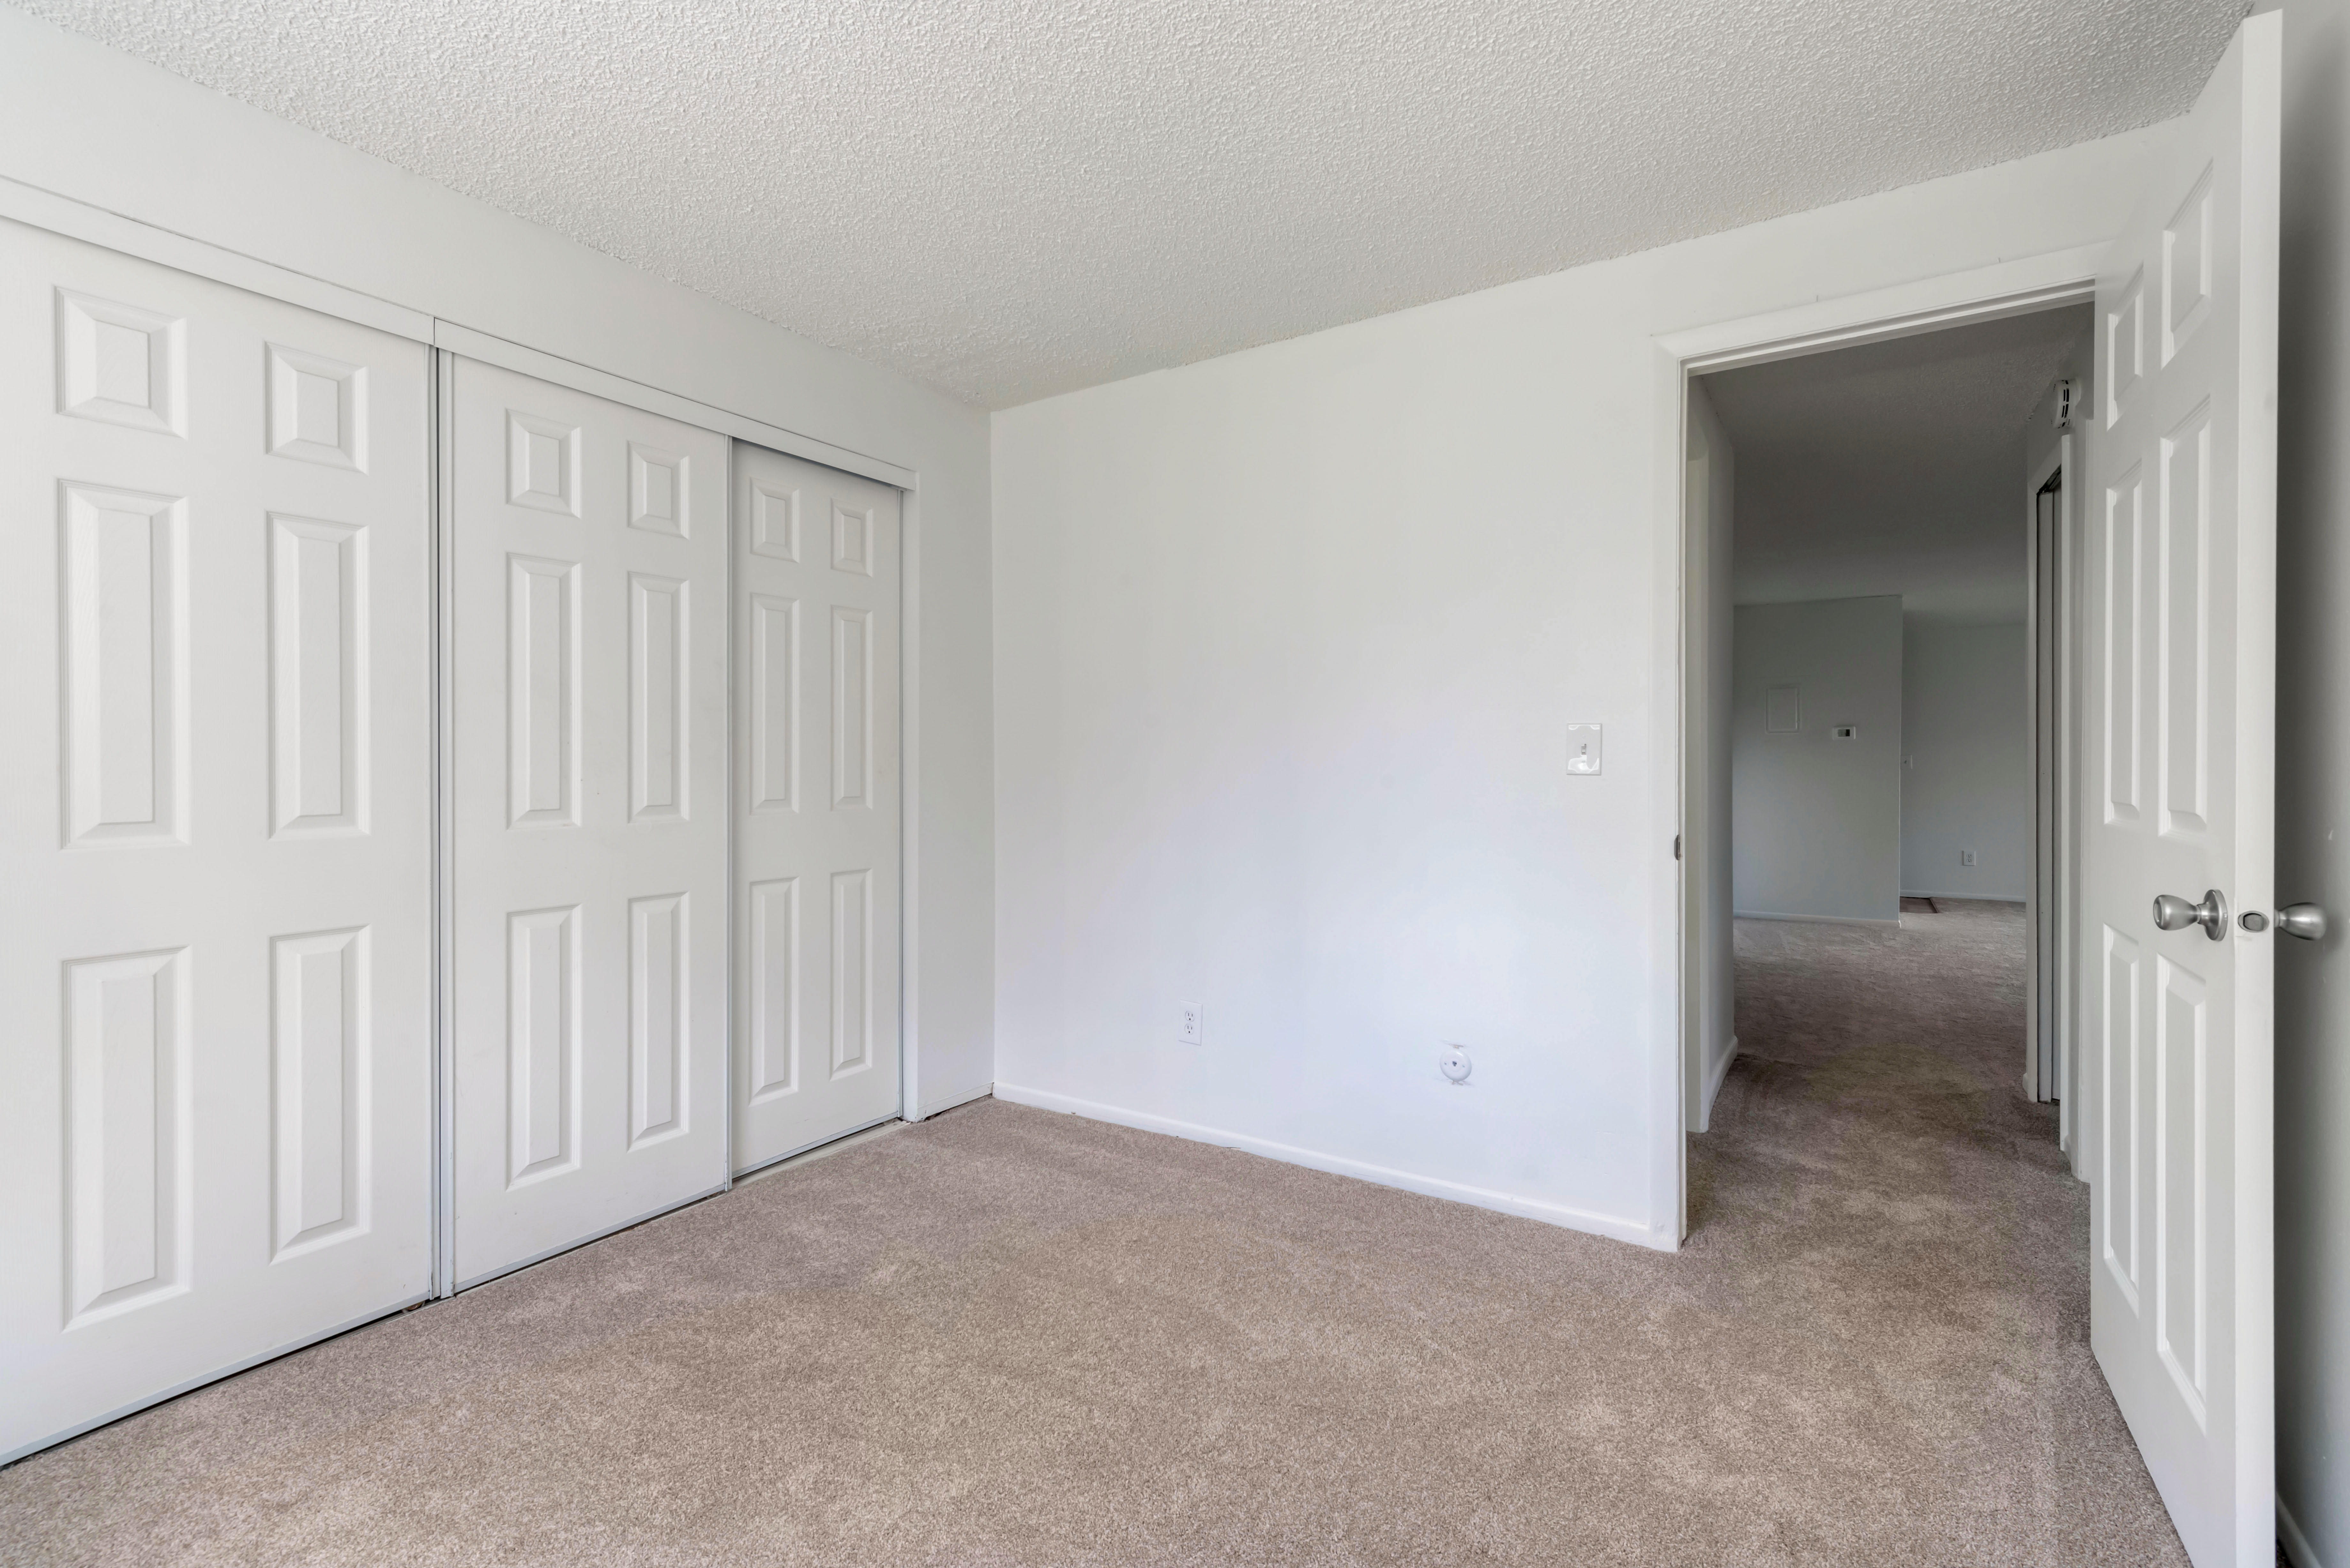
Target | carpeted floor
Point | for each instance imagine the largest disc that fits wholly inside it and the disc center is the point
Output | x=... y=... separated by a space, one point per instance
x=1005 y=1337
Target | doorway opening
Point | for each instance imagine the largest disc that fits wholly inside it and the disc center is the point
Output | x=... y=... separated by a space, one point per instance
x=1879 y=613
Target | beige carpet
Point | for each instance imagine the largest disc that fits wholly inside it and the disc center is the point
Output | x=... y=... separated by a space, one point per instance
x=1005 y=1337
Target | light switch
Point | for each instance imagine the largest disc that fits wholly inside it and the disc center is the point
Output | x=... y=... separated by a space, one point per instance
x=1583 y=748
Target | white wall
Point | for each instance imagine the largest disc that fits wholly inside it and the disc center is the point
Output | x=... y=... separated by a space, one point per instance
x=2313 y=980
x=1284 y=642
x=1815 y=821
x=1708 y=932
x=81 y=121
x=1966 y=722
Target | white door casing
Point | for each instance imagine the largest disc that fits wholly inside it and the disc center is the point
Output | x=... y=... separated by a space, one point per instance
x=588 y=884
x=817 y=791
x=215 y=1091
x=2179 y=785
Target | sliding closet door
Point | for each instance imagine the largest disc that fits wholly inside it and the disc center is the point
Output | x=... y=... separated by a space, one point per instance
x=588 y=789
x=216 y=1076
x=816 y=924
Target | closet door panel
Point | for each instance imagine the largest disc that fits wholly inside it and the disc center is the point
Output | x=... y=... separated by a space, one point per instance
x=817 y=832
x=589 y=787
x=216 y=1119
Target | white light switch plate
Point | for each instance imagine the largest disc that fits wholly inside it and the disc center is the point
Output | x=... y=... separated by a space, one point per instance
x=1583 y=748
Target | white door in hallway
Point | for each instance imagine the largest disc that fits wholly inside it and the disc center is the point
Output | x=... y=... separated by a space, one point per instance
x=2181 y=654
x=587 y=939
x=816 y=924
x=215 y=1083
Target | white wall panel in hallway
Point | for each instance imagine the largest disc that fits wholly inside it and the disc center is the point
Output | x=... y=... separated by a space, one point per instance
x=816 y=1013
x=589 y=932
x=215 y=833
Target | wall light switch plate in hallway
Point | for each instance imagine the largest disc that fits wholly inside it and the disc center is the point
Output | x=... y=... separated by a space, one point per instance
x=1583 y=748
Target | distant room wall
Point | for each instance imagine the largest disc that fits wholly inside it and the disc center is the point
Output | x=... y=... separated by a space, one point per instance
x=1816 y=820
x=1967 y=722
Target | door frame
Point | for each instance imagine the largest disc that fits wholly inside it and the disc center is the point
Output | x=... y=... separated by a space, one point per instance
x=2063 y=465
x=2016 y=287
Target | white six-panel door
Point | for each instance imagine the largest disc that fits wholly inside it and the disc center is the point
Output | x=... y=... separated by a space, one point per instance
x=215 y=833
x=817 y=793
x=2182 y=649
x=588 y=887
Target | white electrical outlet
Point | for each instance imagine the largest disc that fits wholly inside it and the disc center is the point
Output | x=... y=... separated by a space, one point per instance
x=1966 y=857
x=1191 y=1023
x=1454 y=1065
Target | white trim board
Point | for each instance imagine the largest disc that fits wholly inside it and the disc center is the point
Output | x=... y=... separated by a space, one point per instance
x=964 y=1097
x=1714 y=1078
x=528 y=361
x=2297 y=1549
x=1970 y=898
x=79 y=220
x=1557 y=1214
x=1811 y=920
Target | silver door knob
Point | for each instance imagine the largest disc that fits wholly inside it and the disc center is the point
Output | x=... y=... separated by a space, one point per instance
x=2307 y=921
x=2173 y=913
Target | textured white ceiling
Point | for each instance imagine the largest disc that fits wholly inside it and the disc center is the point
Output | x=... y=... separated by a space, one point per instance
x=1012 y=199
x=1893 y=468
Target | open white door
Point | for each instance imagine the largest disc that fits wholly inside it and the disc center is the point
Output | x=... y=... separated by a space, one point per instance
x=2181 y=655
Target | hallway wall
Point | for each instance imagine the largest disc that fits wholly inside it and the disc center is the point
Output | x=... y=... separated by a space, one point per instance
x=1815 y=820
x=2313 y=982
x=1966 y=732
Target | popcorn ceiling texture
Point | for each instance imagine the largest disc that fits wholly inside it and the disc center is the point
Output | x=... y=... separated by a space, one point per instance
x=1011 y=199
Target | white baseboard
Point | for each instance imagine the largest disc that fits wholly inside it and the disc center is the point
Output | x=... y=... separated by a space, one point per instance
x=953 y=1100
x=1714 y=1078
x=1975 y=898
x=1814 y=919
x=1609 y=1225
x=2296 y=1546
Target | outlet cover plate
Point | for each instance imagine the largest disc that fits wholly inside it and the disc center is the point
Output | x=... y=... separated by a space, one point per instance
x=1190 y=1023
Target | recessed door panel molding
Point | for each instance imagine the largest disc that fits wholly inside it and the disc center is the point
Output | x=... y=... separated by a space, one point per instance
x=541 y=462
x=772 y=1019
x=2121 y=577
x=659 y=704
x=120 y=364
x=129 y=1196
x=773 y=724
x=319 y=1071
x=658 y=488
x=217 y=947
x=2121 y=1075
x=2184 y=632
x=660 y=1024
x=2181 y=645
x=542 y=698
x=2187 y=268
x=542 y=1043
x=852 y=707
x=318 y=409
x=125 y=608
x=2181 y=1169
x=318 y=649
x=816 y=800
x=588 y=1003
